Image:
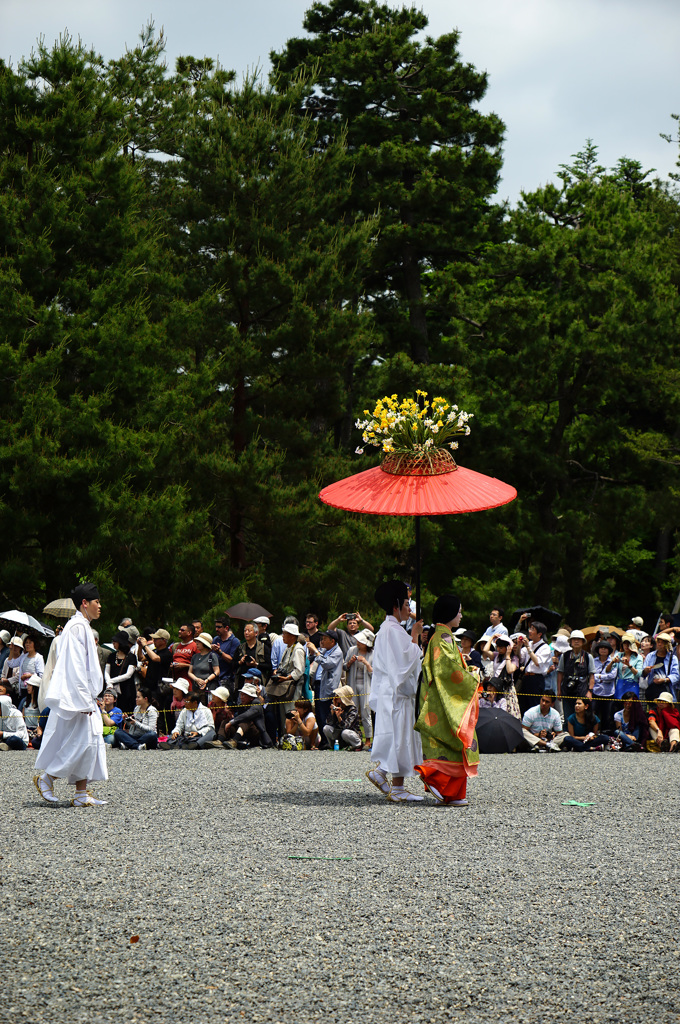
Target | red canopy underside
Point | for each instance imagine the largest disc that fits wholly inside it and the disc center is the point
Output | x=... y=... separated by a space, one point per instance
x=383 y=494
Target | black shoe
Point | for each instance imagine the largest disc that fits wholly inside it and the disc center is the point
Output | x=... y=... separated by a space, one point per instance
x=242 y=745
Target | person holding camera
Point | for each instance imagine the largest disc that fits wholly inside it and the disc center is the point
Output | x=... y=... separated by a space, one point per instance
x=253 y=653
x=301 y=727
x=575 y=673
x=343 y=720
x=542 y=726
x=539 y=664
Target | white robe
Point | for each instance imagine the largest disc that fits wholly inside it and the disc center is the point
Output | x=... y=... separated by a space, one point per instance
x=396 y=667
x=73 y=746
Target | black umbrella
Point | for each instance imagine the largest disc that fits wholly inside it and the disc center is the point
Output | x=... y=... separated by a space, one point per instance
x=547 y=616
x=497 y=731
x=247 y=611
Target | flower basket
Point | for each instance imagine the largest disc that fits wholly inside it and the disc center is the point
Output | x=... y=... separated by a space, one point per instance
x=434 y=462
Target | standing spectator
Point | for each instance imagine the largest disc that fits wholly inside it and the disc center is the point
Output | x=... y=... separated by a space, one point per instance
x=630 y=667
x=279 y=644
x=636 y=628
x=158 y=676
x=538 y=666
x=33 y=663
x=204 y=670
x=285 y=685
x=575 y=673
x=11 y=670
x=606 y=672
x=329 y=659
x=465 y=638
x=665 y=623
x=198 y=626
x=542 y=726
x=661 y=668
x=493 y=697
x=312 y=627
x=120 y=671
x=504 y=662
x=496 y=625
x=254 y=652
x=353 y=621
x=359 y=668
x=5 y=638
x=226 y=647
x=183 y=651
x=102 y=653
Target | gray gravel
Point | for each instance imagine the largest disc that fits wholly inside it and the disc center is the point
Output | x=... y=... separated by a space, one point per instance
x=515 y=909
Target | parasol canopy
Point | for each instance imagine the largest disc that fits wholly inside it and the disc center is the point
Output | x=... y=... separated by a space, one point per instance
x=247 y=611
x=590 y=631
x=387 y=494
x=62 y=608
x=17 y=618
x=497 y=731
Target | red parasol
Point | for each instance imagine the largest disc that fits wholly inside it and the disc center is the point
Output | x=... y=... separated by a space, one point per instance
x=379 y=492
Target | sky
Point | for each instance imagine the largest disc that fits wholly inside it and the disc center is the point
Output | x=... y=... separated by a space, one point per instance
x=560 y=71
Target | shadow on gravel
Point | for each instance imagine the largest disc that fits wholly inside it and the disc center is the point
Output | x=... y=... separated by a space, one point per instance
x=326 y=797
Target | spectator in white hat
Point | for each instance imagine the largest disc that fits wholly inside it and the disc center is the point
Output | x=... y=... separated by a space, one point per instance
x=13 y=731
x=359 y=669
x=11 y=670
x=204 y=670
x=575 y=673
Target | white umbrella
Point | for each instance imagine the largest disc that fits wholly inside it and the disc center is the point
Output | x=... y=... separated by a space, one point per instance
x=62 y=608
x=17 y=618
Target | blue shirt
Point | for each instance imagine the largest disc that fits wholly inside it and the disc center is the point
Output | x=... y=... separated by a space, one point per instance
x=330 y=663
x=227 y=668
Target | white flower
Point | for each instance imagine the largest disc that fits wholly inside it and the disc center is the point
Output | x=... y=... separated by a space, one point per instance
x=358 y=451
x=453 y=445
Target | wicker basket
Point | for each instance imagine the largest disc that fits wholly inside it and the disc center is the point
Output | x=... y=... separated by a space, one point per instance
x=435 y=462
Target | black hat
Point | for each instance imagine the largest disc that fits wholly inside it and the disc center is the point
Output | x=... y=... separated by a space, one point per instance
x=391 y=594
x=332 y=634
x=122 y=638
x=84 y=592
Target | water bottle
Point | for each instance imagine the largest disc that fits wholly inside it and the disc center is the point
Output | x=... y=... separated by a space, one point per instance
x=336 y=745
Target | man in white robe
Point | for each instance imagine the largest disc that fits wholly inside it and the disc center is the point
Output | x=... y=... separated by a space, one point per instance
x=396 y=667
x=72 y=747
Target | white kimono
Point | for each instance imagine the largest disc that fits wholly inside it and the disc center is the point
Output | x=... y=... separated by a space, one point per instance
x=396 y=667
x=73 y=745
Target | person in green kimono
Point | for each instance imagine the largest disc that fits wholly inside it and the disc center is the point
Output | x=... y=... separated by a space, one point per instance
x=447 y=711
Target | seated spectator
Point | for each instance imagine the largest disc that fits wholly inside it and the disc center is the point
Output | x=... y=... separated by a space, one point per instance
x=254 y=652
x=204 y=670
x=222 y=714
x=247 y=727
x=112 y=716
x=493 y=697
x=119 y=673
x=583 y=728
x=195 y=725
x=664 y=724
x=542 y=726
x=13 y=731
x=180 y=689
x=661 y=668
x=630 y=723
x=183 y=651
x=31 y=711
x=605 y=675
x=140 y=730
x=343 y=720
x=630 y=667
x=359 y=669
x=301 y=724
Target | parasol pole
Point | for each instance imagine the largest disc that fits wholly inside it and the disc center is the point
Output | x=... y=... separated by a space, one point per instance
x=417 y=573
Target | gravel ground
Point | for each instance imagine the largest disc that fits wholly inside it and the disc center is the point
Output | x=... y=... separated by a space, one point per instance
x=267 y=886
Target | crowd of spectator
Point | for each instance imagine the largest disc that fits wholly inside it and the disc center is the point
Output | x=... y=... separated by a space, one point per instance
x=308 y=688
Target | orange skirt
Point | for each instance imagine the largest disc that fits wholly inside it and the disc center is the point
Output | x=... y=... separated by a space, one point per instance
x=448 y=777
